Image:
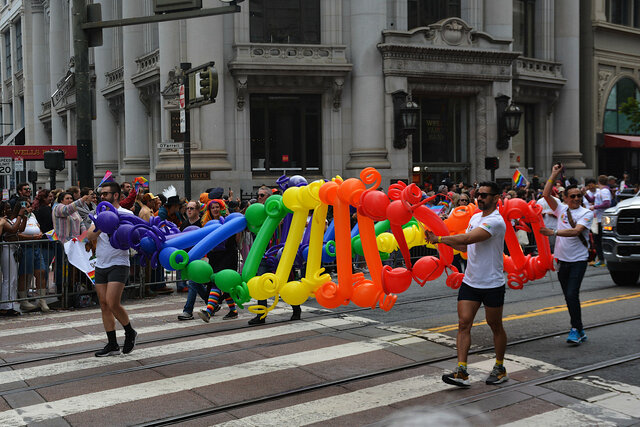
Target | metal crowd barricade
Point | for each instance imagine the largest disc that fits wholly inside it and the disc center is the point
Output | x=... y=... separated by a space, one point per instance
x=29 y=266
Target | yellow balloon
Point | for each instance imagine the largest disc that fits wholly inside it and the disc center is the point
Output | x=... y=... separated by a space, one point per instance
x=386 y=242
x=262 y=287
x=294 y=293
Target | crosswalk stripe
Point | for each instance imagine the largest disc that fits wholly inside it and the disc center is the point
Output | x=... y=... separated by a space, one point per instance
x=571 y=416
x=103 y=399
x=360 y=400
x=97 y=320
x=160 y=350
x=42 y=345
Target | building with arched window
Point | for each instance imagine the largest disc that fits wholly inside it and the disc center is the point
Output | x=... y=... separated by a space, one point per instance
x=610 y=74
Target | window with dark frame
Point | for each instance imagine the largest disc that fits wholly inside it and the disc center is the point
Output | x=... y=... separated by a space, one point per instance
x=524 y=27
x=286 y=133
x=176 y=135
x=421 y=13
x=442 y=131
x=614 y=121
x=623 y=12
x=284 y=21
x=18 y=46
x=7 y=54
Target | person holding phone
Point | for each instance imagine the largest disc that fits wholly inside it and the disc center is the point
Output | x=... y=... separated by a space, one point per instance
x=10 y=226
x=571 y=248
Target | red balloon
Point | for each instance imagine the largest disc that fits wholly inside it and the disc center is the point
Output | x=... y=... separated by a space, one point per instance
x=395 y=280
x=427 y=268
x=373 y=204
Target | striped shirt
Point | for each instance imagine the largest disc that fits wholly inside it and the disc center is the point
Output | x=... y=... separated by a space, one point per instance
x=67 y=221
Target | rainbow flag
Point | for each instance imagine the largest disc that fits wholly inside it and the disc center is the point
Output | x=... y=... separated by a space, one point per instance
x=92 y=276
x=140 y=182
x=51 y=235
x=107 y=178
x=518 y=179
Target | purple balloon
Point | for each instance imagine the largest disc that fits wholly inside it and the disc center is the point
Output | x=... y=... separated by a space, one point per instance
x=107 y=221
x=191 y=228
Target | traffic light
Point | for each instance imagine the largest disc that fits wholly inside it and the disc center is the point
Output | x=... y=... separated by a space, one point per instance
x=491 y=163
x=54 y=160
x=209 y=83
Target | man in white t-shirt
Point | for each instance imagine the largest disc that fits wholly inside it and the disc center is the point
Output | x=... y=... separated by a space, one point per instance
x=549 y=218
x=483 y=282
x=572 y=249
x=112 y=272
x=602 y=202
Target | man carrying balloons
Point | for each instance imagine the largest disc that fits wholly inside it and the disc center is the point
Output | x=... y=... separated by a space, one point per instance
x=483 y=282
x=112 y=272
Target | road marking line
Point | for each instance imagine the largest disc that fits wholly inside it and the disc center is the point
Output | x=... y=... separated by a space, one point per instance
x=542 y=311
x=103 y=399
x=167 y=350
x=41 y=345
x=578 y=415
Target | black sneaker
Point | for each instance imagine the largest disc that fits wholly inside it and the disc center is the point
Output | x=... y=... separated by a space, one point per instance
x=108 y=350
x=296 y=314
x=230 y=315
x=497 y=376
x=257 y=320
x=458 y=377
x=129 y=342
x=204 y=315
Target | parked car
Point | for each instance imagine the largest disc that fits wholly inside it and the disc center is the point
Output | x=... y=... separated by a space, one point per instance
x=621 y=240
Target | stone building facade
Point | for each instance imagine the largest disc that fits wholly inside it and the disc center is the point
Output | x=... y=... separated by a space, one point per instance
x=308 y=87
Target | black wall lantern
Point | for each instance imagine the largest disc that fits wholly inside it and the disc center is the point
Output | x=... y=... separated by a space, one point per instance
x=508 y=120
x=405 y=118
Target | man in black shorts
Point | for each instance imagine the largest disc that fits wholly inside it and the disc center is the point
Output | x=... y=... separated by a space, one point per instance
x=112 y=272
x=483 y=282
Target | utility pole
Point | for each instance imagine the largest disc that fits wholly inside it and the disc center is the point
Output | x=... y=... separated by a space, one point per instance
x=184 y=66
x=83 y=95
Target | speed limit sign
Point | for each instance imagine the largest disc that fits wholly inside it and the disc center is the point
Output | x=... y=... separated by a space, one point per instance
x=5 y=166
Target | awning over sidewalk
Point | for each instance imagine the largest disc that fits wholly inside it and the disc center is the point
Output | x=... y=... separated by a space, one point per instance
x=621 y=141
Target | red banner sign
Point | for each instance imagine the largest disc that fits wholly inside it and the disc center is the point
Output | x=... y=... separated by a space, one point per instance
x=36 y=152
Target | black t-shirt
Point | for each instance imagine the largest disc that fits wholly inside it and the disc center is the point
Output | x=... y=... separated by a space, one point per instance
x=45 y=219
x=186 y=224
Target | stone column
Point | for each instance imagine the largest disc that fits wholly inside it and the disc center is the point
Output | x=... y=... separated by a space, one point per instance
x=498 y=18
x=106 y=141
x=136 y=159
x=566 y=136
x=37 y=63
x=208 y=136
x=368 y=19
x=57 y=65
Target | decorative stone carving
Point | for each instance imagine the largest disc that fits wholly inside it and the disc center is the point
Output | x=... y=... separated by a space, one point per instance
x=338 y=84
x=116 y=105
x=603 y=80
x=148 y=95
x=115 y=76
x=452 y=31
x=241 y=91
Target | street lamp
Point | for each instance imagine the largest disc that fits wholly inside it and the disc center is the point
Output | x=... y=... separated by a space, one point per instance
x=508 y=121
x=405 y=118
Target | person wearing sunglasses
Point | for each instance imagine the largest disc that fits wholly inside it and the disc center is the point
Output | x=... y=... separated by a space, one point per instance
x=483 y=282
x=571 y=249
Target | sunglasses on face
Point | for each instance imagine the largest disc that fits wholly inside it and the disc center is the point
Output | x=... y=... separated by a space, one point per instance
x=464 y=201
x=191 y=209
x=261 y=195
x=483 y=195
x=574 y=196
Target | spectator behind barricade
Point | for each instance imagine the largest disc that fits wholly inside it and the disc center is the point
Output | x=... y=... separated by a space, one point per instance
x=126 y=188
x=148 y=206
x=463 y=200
x=10 y=226
x=128 y=198
x=612 y=183
x=24 y=191
x=67 y=222
x=75 y=192
x=43 y=211
x=55 y=192
x=625 y=182
x=138 y=204
x=602 y=202
x=589 y=192
x=169 y=210
x=31 y=260
x=84 y=209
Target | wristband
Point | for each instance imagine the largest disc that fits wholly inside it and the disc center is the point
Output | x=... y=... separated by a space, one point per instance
x=550 y=180
x=555 y=232
x=439 y=239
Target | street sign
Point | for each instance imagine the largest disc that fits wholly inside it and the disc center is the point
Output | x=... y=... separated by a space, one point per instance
x=183 y=121
x=182 y=96
x=18 y=165
x=170 y=145
x=5 y=166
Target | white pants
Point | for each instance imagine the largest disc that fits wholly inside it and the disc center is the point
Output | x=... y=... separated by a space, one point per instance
x=9 y=278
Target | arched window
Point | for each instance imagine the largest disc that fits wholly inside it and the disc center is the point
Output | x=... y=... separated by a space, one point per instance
x=614 y=121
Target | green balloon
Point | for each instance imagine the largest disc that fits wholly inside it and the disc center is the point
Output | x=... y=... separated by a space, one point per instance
x=199 y=271
x=255 y=215
x=226 y=280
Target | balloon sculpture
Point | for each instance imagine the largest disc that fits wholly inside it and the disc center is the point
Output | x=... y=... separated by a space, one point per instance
x=386 y=222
